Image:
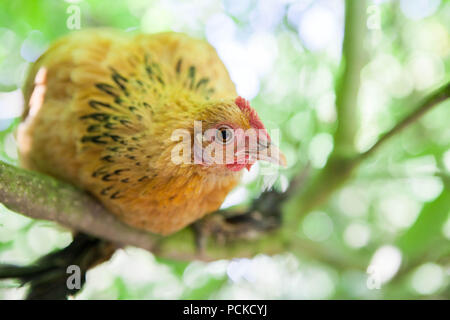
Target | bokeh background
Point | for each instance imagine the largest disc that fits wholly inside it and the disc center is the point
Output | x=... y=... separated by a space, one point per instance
x=387 y=229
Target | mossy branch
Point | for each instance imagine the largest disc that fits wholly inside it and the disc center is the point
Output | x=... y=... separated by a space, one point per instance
x=42 y=197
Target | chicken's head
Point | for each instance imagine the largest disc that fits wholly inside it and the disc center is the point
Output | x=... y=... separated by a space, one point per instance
x=231 y=135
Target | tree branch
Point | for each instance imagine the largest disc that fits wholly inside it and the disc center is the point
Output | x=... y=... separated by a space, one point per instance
x=348 y=81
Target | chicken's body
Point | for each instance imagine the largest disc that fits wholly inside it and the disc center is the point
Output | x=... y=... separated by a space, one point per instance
x=102 y=108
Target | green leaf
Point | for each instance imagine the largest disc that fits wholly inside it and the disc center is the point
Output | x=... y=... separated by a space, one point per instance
x=428 y=227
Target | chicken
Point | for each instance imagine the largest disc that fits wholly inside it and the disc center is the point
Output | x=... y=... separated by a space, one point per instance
x=102 y=109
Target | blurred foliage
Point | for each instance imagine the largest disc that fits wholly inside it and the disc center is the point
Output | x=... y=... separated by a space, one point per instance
x=284 y=55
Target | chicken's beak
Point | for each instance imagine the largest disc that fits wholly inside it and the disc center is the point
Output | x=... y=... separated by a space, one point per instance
x=272 y=154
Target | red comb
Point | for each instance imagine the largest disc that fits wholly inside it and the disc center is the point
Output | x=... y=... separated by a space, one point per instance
x=254 y=120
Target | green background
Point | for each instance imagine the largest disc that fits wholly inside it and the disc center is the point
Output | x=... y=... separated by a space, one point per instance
x=393 y=215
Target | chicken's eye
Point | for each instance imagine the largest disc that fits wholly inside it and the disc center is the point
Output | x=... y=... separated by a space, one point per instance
x=224 y=135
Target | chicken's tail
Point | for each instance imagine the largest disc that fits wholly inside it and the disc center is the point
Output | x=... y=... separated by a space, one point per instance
x=60 y=274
